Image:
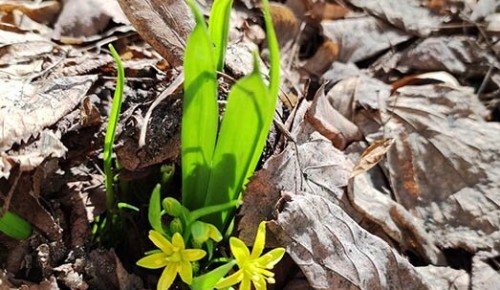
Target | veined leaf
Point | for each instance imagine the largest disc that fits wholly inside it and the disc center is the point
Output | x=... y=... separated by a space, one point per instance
x=14 y=226
x=242 y=137
x=208 y=280
x=200 y=114
x=218 y=24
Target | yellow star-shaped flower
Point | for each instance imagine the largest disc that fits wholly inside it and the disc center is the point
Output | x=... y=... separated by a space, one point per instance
x=174 y=257
x=253 y=268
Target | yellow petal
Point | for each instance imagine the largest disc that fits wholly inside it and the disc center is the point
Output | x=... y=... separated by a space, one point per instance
x=161 y=242
x=245 y=284
x=186 y=272
x=239 y=250
x=260 y=284
x=178 y=241
x=260 y=241
x=271 y=258
x=230 y=280
x=193 y=254
x=167 y=277
x=153 y=261
x=214 y=233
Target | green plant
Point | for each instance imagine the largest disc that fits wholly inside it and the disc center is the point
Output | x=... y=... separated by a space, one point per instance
x=216 y=164
x=14 y=226
x=109 y=139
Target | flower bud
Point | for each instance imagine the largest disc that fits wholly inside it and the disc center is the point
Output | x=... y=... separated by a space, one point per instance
x=172 y=206
x=176 y=226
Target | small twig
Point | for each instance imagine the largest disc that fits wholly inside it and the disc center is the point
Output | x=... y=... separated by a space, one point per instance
x=166 y=93
x=8 y=198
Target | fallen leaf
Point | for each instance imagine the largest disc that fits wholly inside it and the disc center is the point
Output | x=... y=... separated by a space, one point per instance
x=326 y=54
x=446 y=277
x=485 y=270
x=372 y=155
x=372 y=37
x=25 y=109
x=408 y=15
x=165 y=25
x=334 y=252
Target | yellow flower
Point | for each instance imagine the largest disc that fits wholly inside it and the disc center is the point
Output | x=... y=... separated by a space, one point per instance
x=252 y=268
x=174 y=257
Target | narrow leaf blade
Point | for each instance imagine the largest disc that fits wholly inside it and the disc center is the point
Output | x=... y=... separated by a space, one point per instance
x=218 y=24
x=14 y=226
x=242 y=138
x=200 y=114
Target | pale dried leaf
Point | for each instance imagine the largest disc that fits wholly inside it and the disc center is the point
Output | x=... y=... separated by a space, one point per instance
x=165 y=25
x=80 y=19
x=372 y=155
x=446 y=277
x=456 y=55
x=407 y=15
x=42 y=12
x=329 y=122
x=372 y=37
x=29 y=157
x=442 y=165
x=25 y=109
x=334 y=252
x=485 y=273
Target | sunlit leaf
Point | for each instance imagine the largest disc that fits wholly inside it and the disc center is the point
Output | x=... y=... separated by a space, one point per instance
x=218 y=24
x=200 y=114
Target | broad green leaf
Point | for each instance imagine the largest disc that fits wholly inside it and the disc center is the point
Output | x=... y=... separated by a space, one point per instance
x=14 y=226
x=109 y=139
x=200 y=114
x=242 y=137
x=154 y=212
x=208 y=280
x=218 y=24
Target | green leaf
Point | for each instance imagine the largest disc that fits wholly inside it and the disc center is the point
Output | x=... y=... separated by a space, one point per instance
x=208 y=280
x=154 y=212
x=200 y=114
x=242 y=138
x=274 y=53
x=218 y=24
x=109 y=139
x=14 y=226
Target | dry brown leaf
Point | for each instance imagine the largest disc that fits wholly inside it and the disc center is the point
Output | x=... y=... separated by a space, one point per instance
x=372 y=155
x=26 y=109
x=446 y=277
x=372 y=37
x=285 y=23
x=485 y=273
x=407 y=15
x=326 y=11
x=326 y=54
x=42 y=12
x=165 y=25
x=330 y=123
x=334 y=252
x=426 y=78
x=81 y=19
x=461 y=55
x=441 y=166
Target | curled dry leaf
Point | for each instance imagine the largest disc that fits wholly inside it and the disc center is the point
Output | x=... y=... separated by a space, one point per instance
x=330 y=123
x=372 y=155
x=334 y=252
x=326 y=54
x=165 y=25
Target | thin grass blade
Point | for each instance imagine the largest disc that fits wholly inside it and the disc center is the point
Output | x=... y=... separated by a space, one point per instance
x=109 y=139
x=200 y=114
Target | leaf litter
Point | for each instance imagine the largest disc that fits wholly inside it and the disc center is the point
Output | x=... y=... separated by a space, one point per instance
x=384 y=173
